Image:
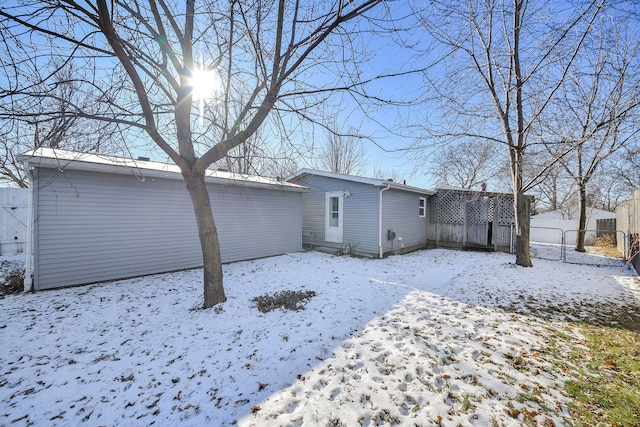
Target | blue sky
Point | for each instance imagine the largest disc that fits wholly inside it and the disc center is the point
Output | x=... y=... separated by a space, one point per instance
x=384 y=148
x=385 y=126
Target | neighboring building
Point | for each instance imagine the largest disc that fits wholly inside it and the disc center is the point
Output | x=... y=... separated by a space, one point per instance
x=13 y=220
x=98 y=218
x=549 y=227
x=361 y=216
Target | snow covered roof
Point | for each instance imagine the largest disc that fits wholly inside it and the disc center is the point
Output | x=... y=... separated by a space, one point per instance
x=377 y=182
x=72 y=160
x=451 y=187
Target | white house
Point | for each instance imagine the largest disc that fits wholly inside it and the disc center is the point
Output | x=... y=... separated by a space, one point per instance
x=548 y=227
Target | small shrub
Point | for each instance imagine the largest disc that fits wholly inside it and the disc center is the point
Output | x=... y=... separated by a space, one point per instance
x=13 y=282
x=606 y=245
x=286 y=300
x=606 y=240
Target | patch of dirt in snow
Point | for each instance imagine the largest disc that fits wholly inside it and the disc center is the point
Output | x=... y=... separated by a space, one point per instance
x=285 y=300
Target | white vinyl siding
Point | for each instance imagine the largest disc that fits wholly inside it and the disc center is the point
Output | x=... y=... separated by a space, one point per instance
x=360 y=213
x=91 y=227
x=399 y=214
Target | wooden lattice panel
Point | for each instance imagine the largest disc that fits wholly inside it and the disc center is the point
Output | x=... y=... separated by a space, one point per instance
x=451 y=207
x=505 y=212
x=491 y=206
x=432 y=209
x=477 y=211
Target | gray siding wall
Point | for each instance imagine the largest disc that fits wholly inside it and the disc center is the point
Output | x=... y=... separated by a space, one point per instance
x=360 y=221
x=400 y=211
x=92 y=227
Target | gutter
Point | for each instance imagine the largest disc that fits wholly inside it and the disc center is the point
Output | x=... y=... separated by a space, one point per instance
x=388 y=185
x=28 y=279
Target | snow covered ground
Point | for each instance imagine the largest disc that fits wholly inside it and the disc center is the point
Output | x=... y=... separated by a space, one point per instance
x=435 y=337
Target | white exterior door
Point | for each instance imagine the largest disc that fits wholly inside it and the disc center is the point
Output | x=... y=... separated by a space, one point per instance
x=333 y=217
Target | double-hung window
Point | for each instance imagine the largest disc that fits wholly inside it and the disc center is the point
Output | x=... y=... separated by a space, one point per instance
x=422 y=207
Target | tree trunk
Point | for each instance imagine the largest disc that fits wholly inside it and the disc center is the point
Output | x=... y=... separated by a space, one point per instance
x=582 y=217
x=521 y=208
x=213 y=289
x=523 y=251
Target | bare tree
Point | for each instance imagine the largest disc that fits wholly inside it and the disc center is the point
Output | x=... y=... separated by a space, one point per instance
x=48 y=120
x=614 y=183
x=262 y=55
x=10 y=170
x=554 y=190
x=497 y=73
x=624 y=167
x=598 y=111
x=258 y=156
x=381 y=172
x=245 y=157
x=342 y=152
x=467 y=164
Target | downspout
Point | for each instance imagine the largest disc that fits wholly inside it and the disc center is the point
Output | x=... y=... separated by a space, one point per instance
x=28 y=280
x=380 y=220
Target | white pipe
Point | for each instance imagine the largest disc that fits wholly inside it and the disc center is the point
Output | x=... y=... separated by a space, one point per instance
x=28 y=282
x=380 y=220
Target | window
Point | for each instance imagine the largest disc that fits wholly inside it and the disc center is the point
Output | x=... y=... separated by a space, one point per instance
x=422 y=207
x=335 y=211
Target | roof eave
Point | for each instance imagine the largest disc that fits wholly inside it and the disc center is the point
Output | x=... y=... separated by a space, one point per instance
x=408 y=188
x=146 y=169
x=484 y=193
x=362 y=180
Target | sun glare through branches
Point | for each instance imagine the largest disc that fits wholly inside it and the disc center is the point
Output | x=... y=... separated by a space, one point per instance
x=206 y=84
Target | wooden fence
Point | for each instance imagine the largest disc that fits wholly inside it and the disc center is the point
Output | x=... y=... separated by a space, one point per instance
x=13 y=220
x=472 y=220
x=606 y=227
x=628 y=221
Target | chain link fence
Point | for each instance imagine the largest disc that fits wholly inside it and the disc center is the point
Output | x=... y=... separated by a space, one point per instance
x=547 y=243
x=600 y=248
